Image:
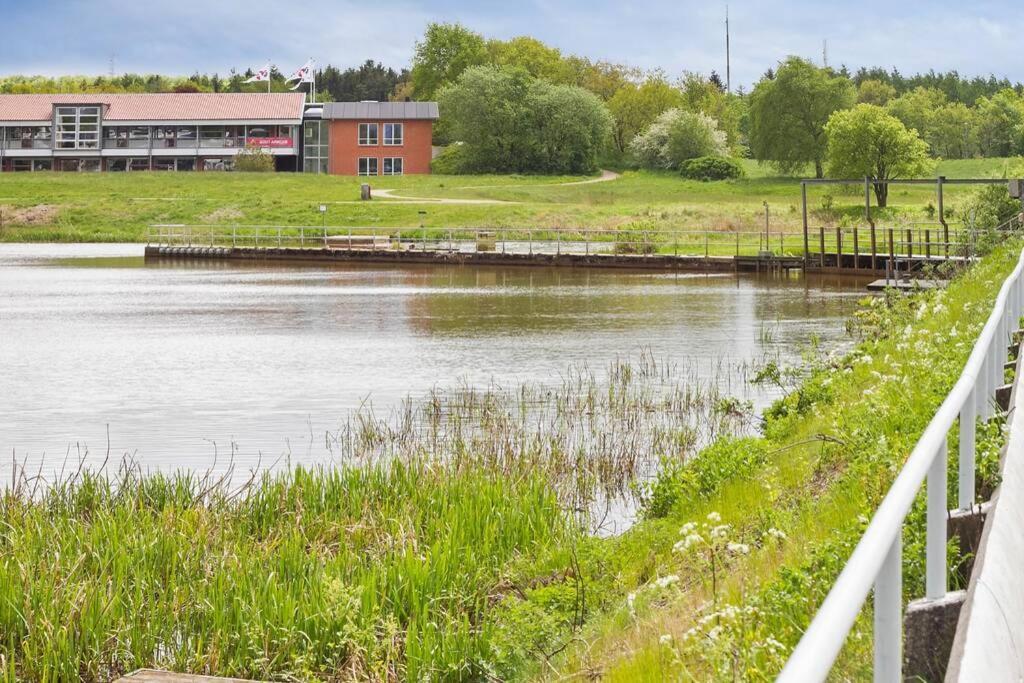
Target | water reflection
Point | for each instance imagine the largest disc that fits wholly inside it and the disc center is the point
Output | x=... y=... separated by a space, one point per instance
x=182 y=359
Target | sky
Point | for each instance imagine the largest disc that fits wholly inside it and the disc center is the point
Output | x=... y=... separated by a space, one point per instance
x=185 y=36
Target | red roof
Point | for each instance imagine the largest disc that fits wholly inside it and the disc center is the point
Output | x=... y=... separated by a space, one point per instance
x=161 y=106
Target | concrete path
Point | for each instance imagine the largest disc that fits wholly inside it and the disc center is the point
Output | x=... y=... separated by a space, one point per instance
x=154 y=676
x=989 y=642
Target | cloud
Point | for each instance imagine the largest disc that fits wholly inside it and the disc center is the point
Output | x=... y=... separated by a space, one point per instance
x=182 y=36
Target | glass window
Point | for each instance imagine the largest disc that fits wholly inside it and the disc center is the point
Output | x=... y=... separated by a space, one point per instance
x=117 y=165
x=67 y=164
x=78 y=127
x=367 y=166
x=312 y=133
x=138 y=165
x=393 y=134
x=42 y=165
x=393 y=165
x=160 y=164
x=21 y=165
x=188 y=164
x=368 y=134
x=90 y=165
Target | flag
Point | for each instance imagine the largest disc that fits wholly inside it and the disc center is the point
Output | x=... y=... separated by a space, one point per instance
x=261 y=75
x=304 y=74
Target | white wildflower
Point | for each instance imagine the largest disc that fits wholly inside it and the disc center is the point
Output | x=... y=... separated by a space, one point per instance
x=666 y=581
x=776 y=533
x=738 y=548
x=720 y=531
x=666 y=639
x=688 y=529
x=714 y=517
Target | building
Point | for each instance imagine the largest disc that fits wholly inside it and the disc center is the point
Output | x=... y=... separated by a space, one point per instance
x=369 y=138
x=206 y=131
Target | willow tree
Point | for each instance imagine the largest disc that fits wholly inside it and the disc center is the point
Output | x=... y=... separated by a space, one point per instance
x=868 y=142
x=788 y=112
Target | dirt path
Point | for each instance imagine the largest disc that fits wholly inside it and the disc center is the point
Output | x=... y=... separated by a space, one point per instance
x=606 y=176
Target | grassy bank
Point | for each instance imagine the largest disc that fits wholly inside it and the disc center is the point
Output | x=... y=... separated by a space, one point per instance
x=118 y=207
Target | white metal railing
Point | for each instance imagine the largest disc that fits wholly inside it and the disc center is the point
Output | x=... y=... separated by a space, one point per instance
x=876 y=562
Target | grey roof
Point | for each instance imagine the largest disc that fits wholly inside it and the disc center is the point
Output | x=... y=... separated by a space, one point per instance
x=381 y=110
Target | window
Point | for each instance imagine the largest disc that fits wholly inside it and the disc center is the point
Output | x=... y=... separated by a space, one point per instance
x=67 y=165
x=315 y=146
x=163 y=164
x=393 y=165
x=42 y=165
x=21 y=165
x=138 y=165
x=117 y=165
x=393 y=134
x=89 y=165
x=367 y=166
x=78 y=127
x=368 y=134
x=188 y=164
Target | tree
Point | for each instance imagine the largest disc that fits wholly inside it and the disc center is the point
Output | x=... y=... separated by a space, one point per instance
x=874 y=91
x=954 y=132
x=705 y=95
x=370 y=81
x=788 y=114
x=917 y=110
x=635 y=107
x=604 y=79
x=254 y=159
x=868 y=142
x=508 y=121
x=999 y=120
x=539 y=60
x=444 y=53
x=676 y=136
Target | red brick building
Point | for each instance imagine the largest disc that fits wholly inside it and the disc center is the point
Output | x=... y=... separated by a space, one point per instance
x=369 y=138
x=206 y=131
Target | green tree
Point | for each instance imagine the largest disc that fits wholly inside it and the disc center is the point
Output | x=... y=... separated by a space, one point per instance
x=602 y=78
x=539 y=60
x=954 y=132
x=635 y=107
x=918 y=109
x=868 y=142
x=999 y=120
x=873 y=91
x=707 y=96
x=508 y=121
x=788 y=114
x=444 y=53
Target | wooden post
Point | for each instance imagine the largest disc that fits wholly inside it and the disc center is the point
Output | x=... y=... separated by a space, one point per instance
x=892 y=255
x=807 y=248
x=856 y=249
x=821 y=255
x=927 y=243
x=910 y=246
x=874 y=249
x=839 y=247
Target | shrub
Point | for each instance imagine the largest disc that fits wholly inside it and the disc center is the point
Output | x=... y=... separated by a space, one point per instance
x=711 y=168
x=451 y=161
x=254 y=159
x=675 y=137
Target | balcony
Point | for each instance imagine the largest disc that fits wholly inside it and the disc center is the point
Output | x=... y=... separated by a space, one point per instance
x=27 y=144
x=126 y=143
x=175 y=143
x=222 y=143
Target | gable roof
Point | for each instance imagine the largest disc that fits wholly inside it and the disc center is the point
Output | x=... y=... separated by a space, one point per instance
x=381 y=110
x=161 y=106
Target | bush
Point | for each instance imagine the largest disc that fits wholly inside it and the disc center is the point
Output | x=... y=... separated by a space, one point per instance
x=451 y=161
x=711 y=168
x=675 y=137
x=254 y=159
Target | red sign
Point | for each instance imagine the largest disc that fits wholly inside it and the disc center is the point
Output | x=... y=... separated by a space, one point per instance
x=269 y=142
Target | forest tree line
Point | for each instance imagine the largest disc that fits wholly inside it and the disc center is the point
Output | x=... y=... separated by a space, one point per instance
x=521 y=105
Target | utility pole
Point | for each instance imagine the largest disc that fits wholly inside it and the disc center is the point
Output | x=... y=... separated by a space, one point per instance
x=728 y=70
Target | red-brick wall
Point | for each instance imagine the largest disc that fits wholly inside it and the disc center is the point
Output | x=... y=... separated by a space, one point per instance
x=345 y=150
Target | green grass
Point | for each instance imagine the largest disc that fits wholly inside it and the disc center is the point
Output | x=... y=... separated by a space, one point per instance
x=108 y=207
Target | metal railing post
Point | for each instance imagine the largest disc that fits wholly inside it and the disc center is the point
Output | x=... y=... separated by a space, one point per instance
x=935 y=549
x=968 y=412
x=889 y=616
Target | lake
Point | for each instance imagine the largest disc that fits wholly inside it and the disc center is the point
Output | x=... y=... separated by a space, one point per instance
x=178 y=362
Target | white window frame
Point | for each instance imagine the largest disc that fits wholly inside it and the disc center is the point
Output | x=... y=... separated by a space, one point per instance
x=370 y=161
x=69 y=127
x=364 y=139
x=397 y=136
x=384 y=166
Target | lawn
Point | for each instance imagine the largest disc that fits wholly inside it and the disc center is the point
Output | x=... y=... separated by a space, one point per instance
x=112 y=207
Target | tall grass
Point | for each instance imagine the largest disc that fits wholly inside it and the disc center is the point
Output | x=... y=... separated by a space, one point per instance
x=339 y=573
